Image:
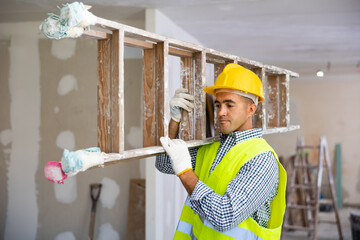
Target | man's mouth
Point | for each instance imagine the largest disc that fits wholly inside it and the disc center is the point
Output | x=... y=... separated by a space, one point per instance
x=223 y=121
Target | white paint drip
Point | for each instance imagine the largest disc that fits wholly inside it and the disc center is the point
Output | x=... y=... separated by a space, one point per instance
x=24 y=86
x=5 y=137
x=67 y=84
x=109 y=192
x=66 y=139
x=66 y=193
x=63 y=49
x=65 y=236
x=106 y=232
x=133 y=137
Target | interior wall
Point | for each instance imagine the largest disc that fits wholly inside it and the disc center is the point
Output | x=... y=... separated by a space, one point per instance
x=165 y=194
x=47 y=103
x=327 y=107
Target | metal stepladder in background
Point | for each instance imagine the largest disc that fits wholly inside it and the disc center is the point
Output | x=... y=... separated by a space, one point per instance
x=308 y=190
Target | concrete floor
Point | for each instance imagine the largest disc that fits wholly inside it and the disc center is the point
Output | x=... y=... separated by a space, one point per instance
x=327 y=231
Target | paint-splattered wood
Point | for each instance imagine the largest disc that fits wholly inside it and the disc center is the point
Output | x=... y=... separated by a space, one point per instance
x=103 y=95
x=179 y=52
x=117 y=93
x=187 y=123
x=161 y=78
x=283 y=100
x=258 y=116
x=272 y=101
x=149 y=118
x=145 y=35
x=200 y=100
x=95 y=34
x=157 y=150
x=218 y=68
x=131 y=42
x=264 y=103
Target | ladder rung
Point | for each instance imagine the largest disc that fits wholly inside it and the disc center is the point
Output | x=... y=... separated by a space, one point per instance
x=301 y=207
x=326 y=200
x=304 y=186
x=328 y=221
x=309 y=146
x=298 y=228
x=305 y=166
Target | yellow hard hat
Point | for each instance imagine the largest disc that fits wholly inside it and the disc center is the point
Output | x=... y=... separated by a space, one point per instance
x=237 y=77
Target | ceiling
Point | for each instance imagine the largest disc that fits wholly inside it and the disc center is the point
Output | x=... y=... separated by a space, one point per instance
x=302 y=36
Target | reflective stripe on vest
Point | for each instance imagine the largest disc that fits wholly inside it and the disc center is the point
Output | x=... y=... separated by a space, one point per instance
x=192 y=226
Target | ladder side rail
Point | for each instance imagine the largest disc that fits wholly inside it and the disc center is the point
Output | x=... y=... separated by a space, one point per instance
x=161 y=89
x=117 y=91
x=104 y=95
x=187 y=77
x=200 y=97
x=302 y=179
x=331 y=181
x=149 y=102
x=263 y=79
x=289 y=190
x=306 y=182
x=318 y=191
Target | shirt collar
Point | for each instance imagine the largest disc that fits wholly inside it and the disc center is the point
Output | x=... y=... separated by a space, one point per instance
x=240 y=136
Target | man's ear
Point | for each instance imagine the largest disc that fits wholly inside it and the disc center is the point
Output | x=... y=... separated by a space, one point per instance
x=251 y=109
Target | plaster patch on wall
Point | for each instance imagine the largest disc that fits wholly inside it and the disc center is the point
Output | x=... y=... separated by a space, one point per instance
x=106 y=232
x=5 y=137
x=66 y=139
x=134 y=136
x=109 y=192
x=65 y=236
x=66 y=193
x=67 y=84
x=56 y=109
x=63 y=49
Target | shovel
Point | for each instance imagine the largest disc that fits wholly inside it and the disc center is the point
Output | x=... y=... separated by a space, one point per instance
x=95 y=190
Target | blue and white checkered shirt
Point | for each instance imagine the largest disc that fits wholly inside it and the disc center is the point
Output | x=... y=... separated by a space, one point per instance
x=249 y=194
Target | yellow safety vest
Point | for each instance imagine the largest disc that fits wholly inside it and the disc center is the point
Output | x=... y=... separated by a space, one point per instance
x=192 y=226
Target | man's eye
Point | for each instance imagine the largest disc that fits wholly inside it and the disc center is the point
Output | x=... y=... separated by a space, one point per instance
x=229 y=106
x=217 y=105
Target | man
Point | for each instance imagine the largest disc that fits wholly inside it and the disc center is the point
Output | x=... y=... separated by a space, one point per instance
x=236 y=186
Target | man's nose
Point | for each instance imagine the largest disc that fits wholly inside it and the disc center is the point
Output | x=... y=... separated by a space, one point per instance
x=221 y=111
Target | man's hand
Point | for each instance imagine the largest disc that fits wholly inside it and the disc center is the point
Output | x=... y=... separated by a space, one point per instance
x=181 y=100
x=179 y=154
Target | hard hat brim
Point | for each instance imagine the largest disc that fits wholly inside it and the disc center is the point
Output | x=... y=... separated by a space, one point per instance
x=211 y=90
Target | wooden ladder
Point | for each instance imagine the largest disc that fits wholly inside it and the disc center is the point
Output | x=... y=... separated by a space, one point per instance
x=308 y=191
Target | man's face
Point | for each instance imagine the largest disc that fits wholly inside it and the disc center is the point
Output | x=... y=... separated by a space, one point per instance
x=233 y=112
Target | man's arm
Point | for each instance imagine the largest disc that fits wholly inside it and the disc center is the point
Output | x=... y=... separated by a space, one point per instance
x=180 y=101
x=173 y=129
x=189 y=180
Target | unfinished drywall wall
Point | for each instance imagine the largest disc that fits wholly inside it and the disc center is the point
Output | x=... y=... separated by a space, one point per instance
x=165 y=195
x=48 y=102
x=5 y=127
x=327 y=107
x=23 y=104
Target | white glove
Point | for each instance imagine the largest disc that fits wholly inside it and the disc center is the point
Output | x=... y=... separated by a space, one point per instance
x=179 y=154
x=181 y=100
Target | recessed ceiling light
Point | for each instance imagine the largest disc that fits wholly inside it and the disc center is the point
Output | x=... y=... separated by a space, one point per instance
x=320 y=73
